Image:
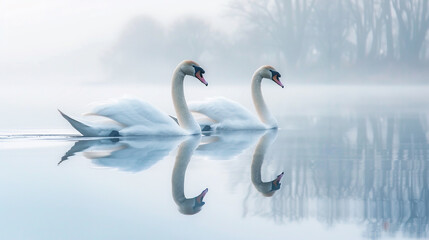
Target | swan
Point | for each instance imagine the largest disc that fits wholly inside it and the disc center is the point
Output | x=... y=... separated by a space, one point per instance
x=125 y=154
x=232 y=143
x=186 y=206
x=130 y=116
x=226 y=114
x=266 y=188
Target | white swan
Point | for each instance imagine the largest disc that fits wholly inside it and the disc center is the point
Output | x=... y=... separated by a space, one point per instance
x=130 y=116
x=229 y=115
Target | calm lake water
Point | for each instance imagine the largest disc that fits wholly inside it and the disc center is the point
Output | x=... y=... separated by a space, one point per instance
x=355 y=163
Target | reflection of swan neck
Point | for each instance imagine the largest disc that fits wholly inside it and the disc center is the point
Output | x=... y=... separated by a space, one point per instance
x=258 y=159
x=258 y=100
x=186 y=121
x=184 y=154
x=183 y=157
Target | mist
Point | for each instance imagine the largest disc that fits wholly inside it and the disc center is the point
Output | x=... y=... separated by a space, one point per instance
x=318 y=41
x=331 y=142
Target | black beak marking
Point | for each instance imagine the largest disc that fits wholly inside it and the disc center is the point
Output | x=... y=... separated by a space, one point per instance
x=198 y=69
x=274 y=73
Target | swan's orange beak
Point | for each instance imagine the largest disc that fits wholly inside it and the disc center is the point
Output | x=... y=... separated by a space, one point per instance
x=277 y=80
x=279 y=177
x=201 y=78
x=201 y=196
x=275 y=184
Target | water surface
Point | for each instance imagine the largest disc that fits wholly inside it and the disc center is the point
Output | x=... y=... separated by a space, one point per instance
x=355 y=164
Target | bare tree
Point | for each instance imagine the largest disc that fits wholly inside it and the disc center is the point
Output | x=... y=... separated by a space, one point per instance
x=330 y=28
x=388 y=28
x=367 y=24
x=284 y=20
x=413 y=23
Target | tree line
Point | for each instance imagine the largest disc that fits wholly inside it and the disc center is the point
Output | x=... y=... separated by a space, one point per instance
x=300 y=37
x=336 y=32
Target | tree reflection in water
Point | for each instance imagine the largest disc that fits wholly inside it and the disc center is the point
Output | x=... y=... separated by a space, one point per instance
x=368 y=169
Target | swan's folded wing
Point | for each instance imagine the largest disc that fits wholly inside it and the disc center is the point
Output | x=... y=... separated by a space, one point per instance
x=227 y=114
x=221 y=109
x=131 y=111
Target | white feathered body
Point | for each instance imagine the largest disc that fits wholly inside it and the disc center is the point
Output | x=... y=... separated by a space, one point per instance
x=230 y=115
x=227 y=114
x=128 y=116
x=138 y=117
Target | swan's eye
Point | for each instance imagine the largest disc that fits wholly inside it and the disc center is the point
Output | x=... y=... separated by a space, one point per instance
x=198 y=69
x=275 y=75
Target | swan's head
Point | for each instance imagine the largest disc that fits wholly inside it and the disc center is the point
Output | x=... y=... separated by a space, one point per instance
x=270 y=73
x=192 y=68
x=193 y=205
x=275 y=185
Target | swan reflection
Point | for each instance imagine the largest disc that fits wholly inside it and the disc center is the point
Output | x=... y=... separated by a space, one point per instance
x=186 y=206
x=228 y=144
x=266 y=188
x=125 y=154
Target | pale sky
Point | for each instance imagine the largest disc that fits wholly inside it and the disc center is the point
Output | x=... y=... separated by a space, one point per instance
x=33 y=31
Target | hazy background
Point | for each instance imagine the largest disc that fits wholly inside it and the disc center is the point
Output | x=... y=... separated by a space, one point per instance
x=309 y=41
x=66 y=54
x=355 y=157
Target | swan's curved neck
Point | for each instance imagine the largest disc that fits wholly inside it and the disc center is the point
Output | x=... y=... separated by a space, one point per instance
x=186 y=121
x=258 y=159
x=258 y=100
x=184 y=154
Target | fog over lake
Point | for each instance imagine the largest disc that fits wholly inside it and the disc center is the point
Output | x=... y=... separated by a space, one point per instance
x=348 y=160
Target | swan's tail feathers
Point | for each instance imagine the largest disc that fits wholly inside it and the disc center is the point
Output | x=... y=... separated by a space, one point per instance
x=79 y=146
x=175 y=119
x=79 y=126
